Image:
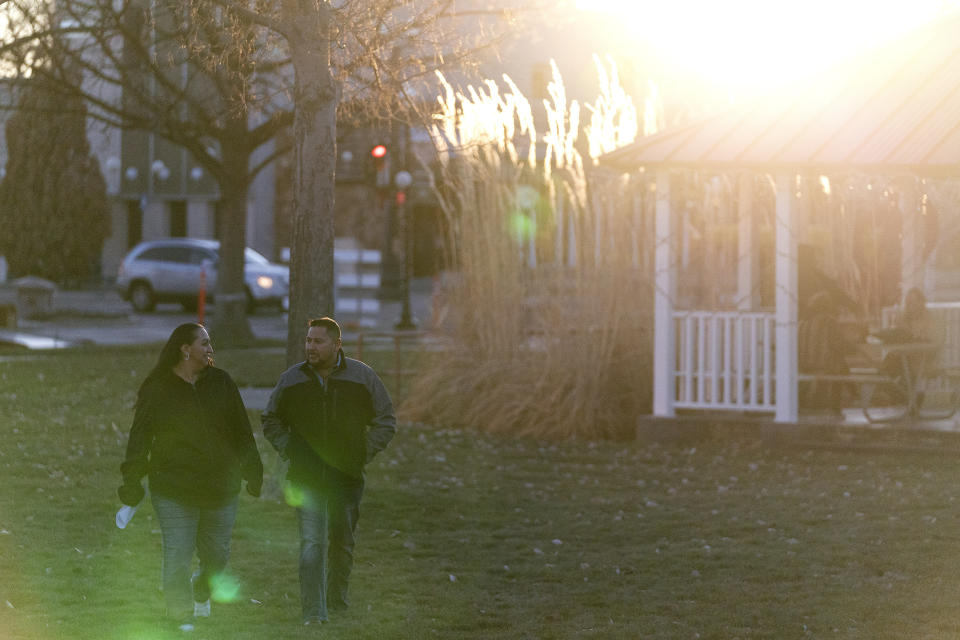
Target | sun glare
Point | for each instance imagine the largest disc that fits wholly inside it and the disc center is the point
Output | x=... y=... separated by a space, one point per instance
x=747 y=45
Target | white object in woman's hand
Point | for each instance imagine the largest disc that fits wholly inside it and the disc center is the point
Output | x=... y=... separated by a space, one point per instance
x=125 y=515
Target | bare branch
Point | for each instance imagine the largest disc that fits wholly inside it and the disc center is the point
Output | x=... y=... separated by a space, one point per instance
x=252 y=16
x=278 y=152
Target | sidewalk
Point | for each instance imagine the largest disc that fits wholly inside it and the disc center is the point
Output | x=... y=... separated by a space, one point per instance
x=101 y=316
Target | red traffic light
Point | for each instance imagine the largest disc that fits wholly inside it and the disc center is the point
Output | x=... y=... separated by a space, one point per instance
x=378 y=151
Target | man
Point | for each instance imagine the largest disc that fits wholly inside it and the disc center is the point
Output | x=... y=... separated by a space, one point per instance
x=811 y=280
x=328 y=416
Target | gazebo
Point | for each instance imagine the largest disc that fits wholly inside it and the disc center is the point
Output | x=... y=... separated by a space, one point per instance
x=894 y=113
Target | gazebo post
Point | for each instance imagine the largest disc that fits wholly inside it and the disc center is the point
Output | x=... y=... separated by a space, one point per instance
x=746 y=246
x=664 y=356
x=786 y=300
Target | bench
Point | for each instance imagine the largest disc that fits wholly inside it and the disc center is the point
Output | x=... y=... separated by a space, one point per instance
x=869 y=381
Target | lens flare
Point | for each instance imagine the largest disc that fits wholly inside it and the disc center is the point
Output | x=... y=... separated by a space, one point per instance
x=522 y=226
x=719 y=47
x=224 y=588
x=136 y=630
x=293 y=495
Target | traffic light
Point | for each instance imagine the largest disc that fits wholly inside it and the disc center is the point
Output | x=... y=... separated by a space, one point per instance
x=381 y=166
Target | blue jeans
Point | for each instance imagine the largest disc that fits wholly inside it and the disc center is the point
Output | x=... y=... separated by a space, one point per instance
x=328 y=519
x=187 y=529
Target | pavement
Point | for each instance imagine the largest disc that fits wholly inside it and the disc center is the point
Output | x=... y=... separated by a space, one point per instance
x=100 y=316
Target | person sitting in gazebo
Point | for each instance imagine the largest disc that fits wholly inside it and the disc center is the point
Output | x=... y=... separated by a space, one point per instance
x=916 y=325
x=822 y=349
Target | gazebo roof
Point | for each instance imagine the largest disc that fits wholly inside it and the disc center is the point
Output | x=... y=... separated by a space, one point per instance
x=895 y=110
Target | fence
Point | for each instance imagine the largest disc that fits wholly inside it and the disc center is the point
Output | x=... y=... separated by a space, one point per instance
x=406 y=347
x=724 y=360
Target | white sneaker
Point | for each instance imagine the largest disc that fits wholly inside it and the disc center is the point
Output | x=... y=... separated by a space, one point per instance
x=186 y=627
x=201 y=609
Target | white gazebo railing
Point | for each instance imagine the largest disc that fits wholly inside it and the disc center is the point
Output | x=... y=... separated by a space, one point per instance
x=724 y=360
x=949 y=316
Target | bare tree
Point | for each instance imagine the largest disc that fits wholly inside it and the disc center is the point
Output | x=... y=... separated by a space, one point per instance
x=305 y=62
x=369 y=54
x=187 y=73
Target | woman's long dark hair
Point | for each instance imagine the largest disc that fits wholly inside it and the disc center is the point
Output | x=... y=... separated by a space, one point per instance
x=170 y=353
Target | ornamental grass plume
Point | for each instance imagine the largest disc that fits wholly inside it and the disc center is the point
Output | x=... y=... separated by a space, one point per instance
x=550 y=308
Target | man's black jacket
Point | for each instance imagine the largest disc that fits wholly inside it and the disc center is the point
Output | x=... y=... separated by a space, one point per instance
x=340 y=425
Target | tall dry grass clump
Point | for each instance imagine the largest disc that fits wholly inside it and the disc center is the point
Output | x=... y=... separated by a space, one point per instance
x=550 y=302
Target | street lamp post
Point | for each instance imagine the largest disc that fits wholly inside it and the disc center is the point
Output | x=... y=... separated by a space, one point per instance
x=403 y=180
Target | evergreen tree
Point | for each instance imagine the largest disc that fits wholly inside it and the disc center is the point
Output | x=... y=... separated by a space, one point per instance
x=53 y=202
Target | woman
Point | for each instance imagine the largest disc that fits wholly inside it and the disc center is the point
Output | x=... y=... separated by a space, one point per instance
x=192 y=437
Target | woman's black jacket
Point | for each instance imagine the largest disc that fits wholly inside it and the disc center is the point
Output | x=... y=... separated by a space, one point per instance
x=193 y=441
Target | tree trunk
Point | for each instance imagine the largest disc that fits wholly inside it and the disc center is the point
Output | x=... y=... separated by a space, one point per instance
x=228 y=324
x=314 y=131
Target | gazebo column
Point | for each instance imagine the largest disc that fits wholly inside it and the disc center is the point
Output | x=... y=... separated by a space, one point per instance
x=747 y=255
x=664 y=352
x=786 y=301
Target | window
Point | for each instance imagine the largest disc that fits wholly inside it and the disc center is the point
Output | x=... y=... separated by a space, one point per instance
x=178 y=219
x=197 y=256
x=166 y=254
x=134 y=223
x=251 y=256
x=217 y=215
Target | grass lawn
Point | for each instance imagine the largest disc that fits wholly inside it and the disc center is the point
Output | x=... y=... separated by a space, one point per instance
x=465 y=535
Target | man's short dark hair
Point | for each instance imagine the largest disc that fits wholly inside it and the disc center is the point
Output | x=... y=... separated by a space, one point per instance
x=329 y=324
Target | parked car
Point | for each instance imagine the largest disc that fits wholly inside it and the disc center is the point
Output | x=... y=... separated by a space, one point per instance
x=169 y=270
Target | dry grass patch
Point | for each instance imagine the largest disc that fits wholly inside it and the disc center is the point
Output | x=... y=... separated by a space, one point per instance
x=551 y=301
